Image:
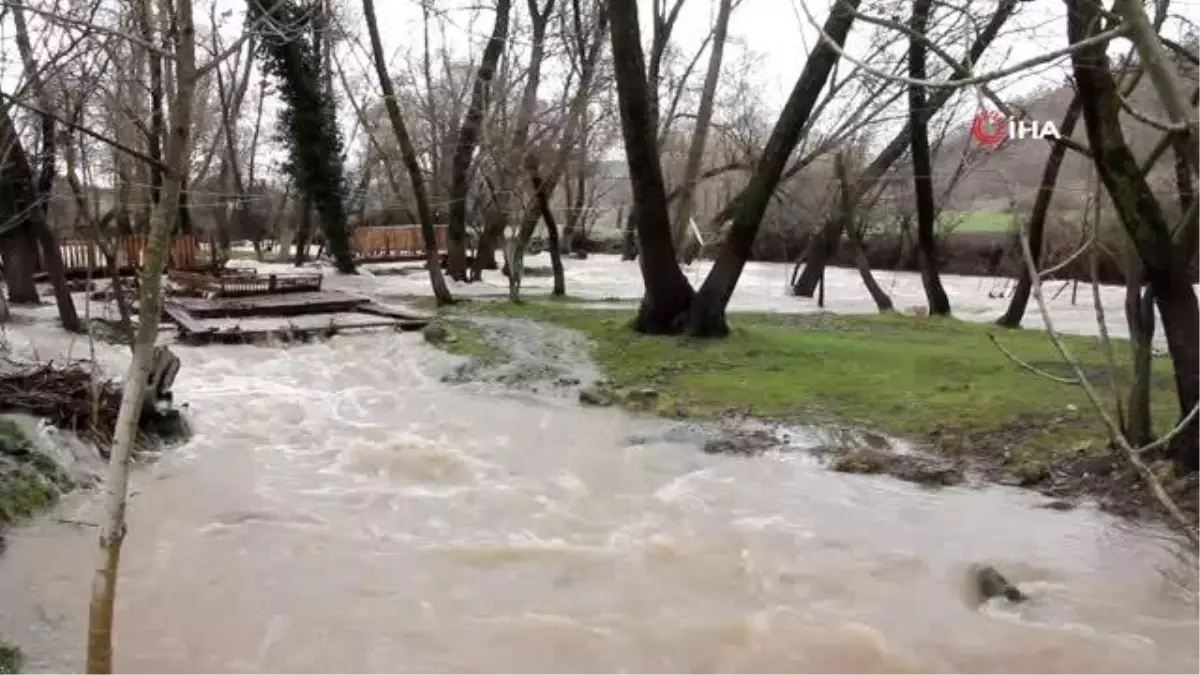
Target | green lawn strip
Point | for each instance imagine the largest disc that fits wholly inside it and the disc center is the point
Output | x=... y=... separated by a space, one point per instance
x=980 y=221
x=931 y=379
x=25 y=489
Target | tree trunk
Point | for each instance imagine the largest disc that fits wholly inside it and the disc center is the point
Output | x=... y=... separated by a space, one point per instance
x=428 y=232
x=846 y=211
x=668 y=294
x=821 y=248
x=542 y=189
x=1037 y=219
x=695 y=156
x=935 y=295
x=1165 y=264
x=509 y=171
x=468 y=139
x=19 y=254
x=22 y=181
x=1139 y=315
x=545 y=186
x=112 y=531
x=41 y=193
x=157 y=120
x=303 y=230
x=629 y=243
x=707 y=316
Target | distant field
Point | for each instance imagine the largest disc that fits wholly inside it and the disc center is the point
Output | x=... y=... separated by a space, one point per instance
x=980 y=221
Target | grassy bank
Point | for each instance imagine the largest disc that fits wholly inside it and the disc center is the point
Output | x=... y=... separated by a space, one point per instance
x=10 y=659
x=26 y=488
x=28 y=479
x=938 y=381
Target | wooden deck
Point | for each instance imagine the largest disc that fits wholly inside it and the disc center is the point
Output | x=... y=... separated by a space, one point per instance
x=279 y=304
x=284 y=316
x=394 y=243
x=284 y=329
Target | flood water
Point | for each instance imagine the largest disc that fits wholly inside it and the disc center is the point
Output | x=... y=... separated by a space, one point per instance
x=340 y=509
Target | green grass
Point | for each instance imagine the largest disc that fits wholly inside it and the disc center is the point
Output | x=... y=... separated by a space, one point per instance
x=27 y=488
x=934 y=379
x=24 y=491
x=10 y=658
x=466 y=339
x=980 y=221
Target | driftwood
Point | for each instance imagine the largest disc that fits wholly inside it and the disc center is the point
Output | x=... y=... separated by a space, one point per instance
x=69 y=396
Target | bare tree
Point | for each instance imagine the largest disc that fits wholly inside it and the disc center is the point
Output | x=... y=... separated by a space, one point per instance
x=668 y=294
x=468 y=139
x=1164 y=261
x=683 y=213
x=440 y=291
x=822 y=246
x=935 y=295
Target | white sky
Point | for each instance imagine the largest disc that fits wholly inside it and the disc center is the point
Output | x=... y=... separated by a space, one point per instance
x=779 y=33
x=775 y=31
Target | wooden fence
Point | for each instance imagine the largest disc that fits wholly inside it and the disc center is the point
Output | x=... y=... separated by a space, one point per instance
x=393 y=242
x=81 y=255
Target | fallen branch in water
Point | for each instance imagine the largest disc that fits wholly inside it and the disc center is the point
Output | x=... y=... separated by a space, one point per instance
x=70 y=396
x=63 y=395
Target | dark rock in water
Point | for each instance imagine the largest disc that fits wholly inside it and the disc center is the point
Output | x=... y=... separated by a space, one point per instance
x=1058 y=505
x=875 y=441
x=747 y=444
x=722 y=446
x=989 y=583
x=437 y=333
x=641 y=398
x=860 y=462
x=912 y=468
x=579 y=255
x=596 y=395
x=929 y=473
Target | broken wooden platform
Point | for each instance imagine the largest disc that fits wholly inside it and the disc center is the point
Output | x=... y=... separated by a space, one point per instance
x=277 y=304
x=241 y=282
x=284 y=317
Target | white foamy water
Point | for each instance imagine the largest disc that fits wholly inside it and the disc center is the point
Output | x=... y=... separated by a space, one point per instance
x=341 y=509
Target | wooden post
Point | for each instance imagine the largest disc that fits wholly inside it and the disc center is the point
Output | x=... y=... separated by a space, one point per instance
x=164 y=366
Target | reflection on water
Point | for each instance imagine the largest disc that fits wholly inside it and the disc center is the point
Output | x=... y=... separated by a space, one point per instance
x=340 y=509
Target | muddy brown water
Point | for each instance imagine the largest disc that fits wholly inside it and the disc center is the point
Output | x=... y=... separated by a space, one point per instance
x=341 y=509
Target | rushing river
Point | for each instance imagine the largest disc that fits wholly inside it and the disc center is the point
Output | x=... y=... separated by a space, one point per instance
x=340 y=509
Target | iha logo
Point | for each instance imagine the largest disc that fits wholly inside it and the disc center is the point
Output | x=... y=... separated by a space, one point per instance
x=991 y=127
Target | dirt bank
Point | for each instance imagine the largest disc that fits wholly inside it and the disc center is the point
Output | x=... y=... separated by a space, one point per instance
x=1057 y=453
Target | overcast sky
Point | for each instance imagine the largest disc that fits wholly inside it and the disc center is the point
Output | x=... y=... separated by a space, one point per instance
x=780 y=34
x=775 y=32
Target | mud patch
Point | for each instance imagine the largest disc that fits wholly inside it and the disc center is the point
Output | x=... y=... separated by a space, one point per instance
x=926 y=471
x=523 y=356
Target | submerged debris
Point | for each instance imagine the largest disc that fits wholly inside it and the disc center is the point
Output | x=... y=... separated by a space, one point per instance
x=72 y=397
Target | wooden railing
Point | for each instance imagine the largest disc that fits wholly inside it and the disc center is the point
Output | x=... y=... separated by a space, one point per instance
x=393 y=242
x=233 y=283
x=80 y=255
